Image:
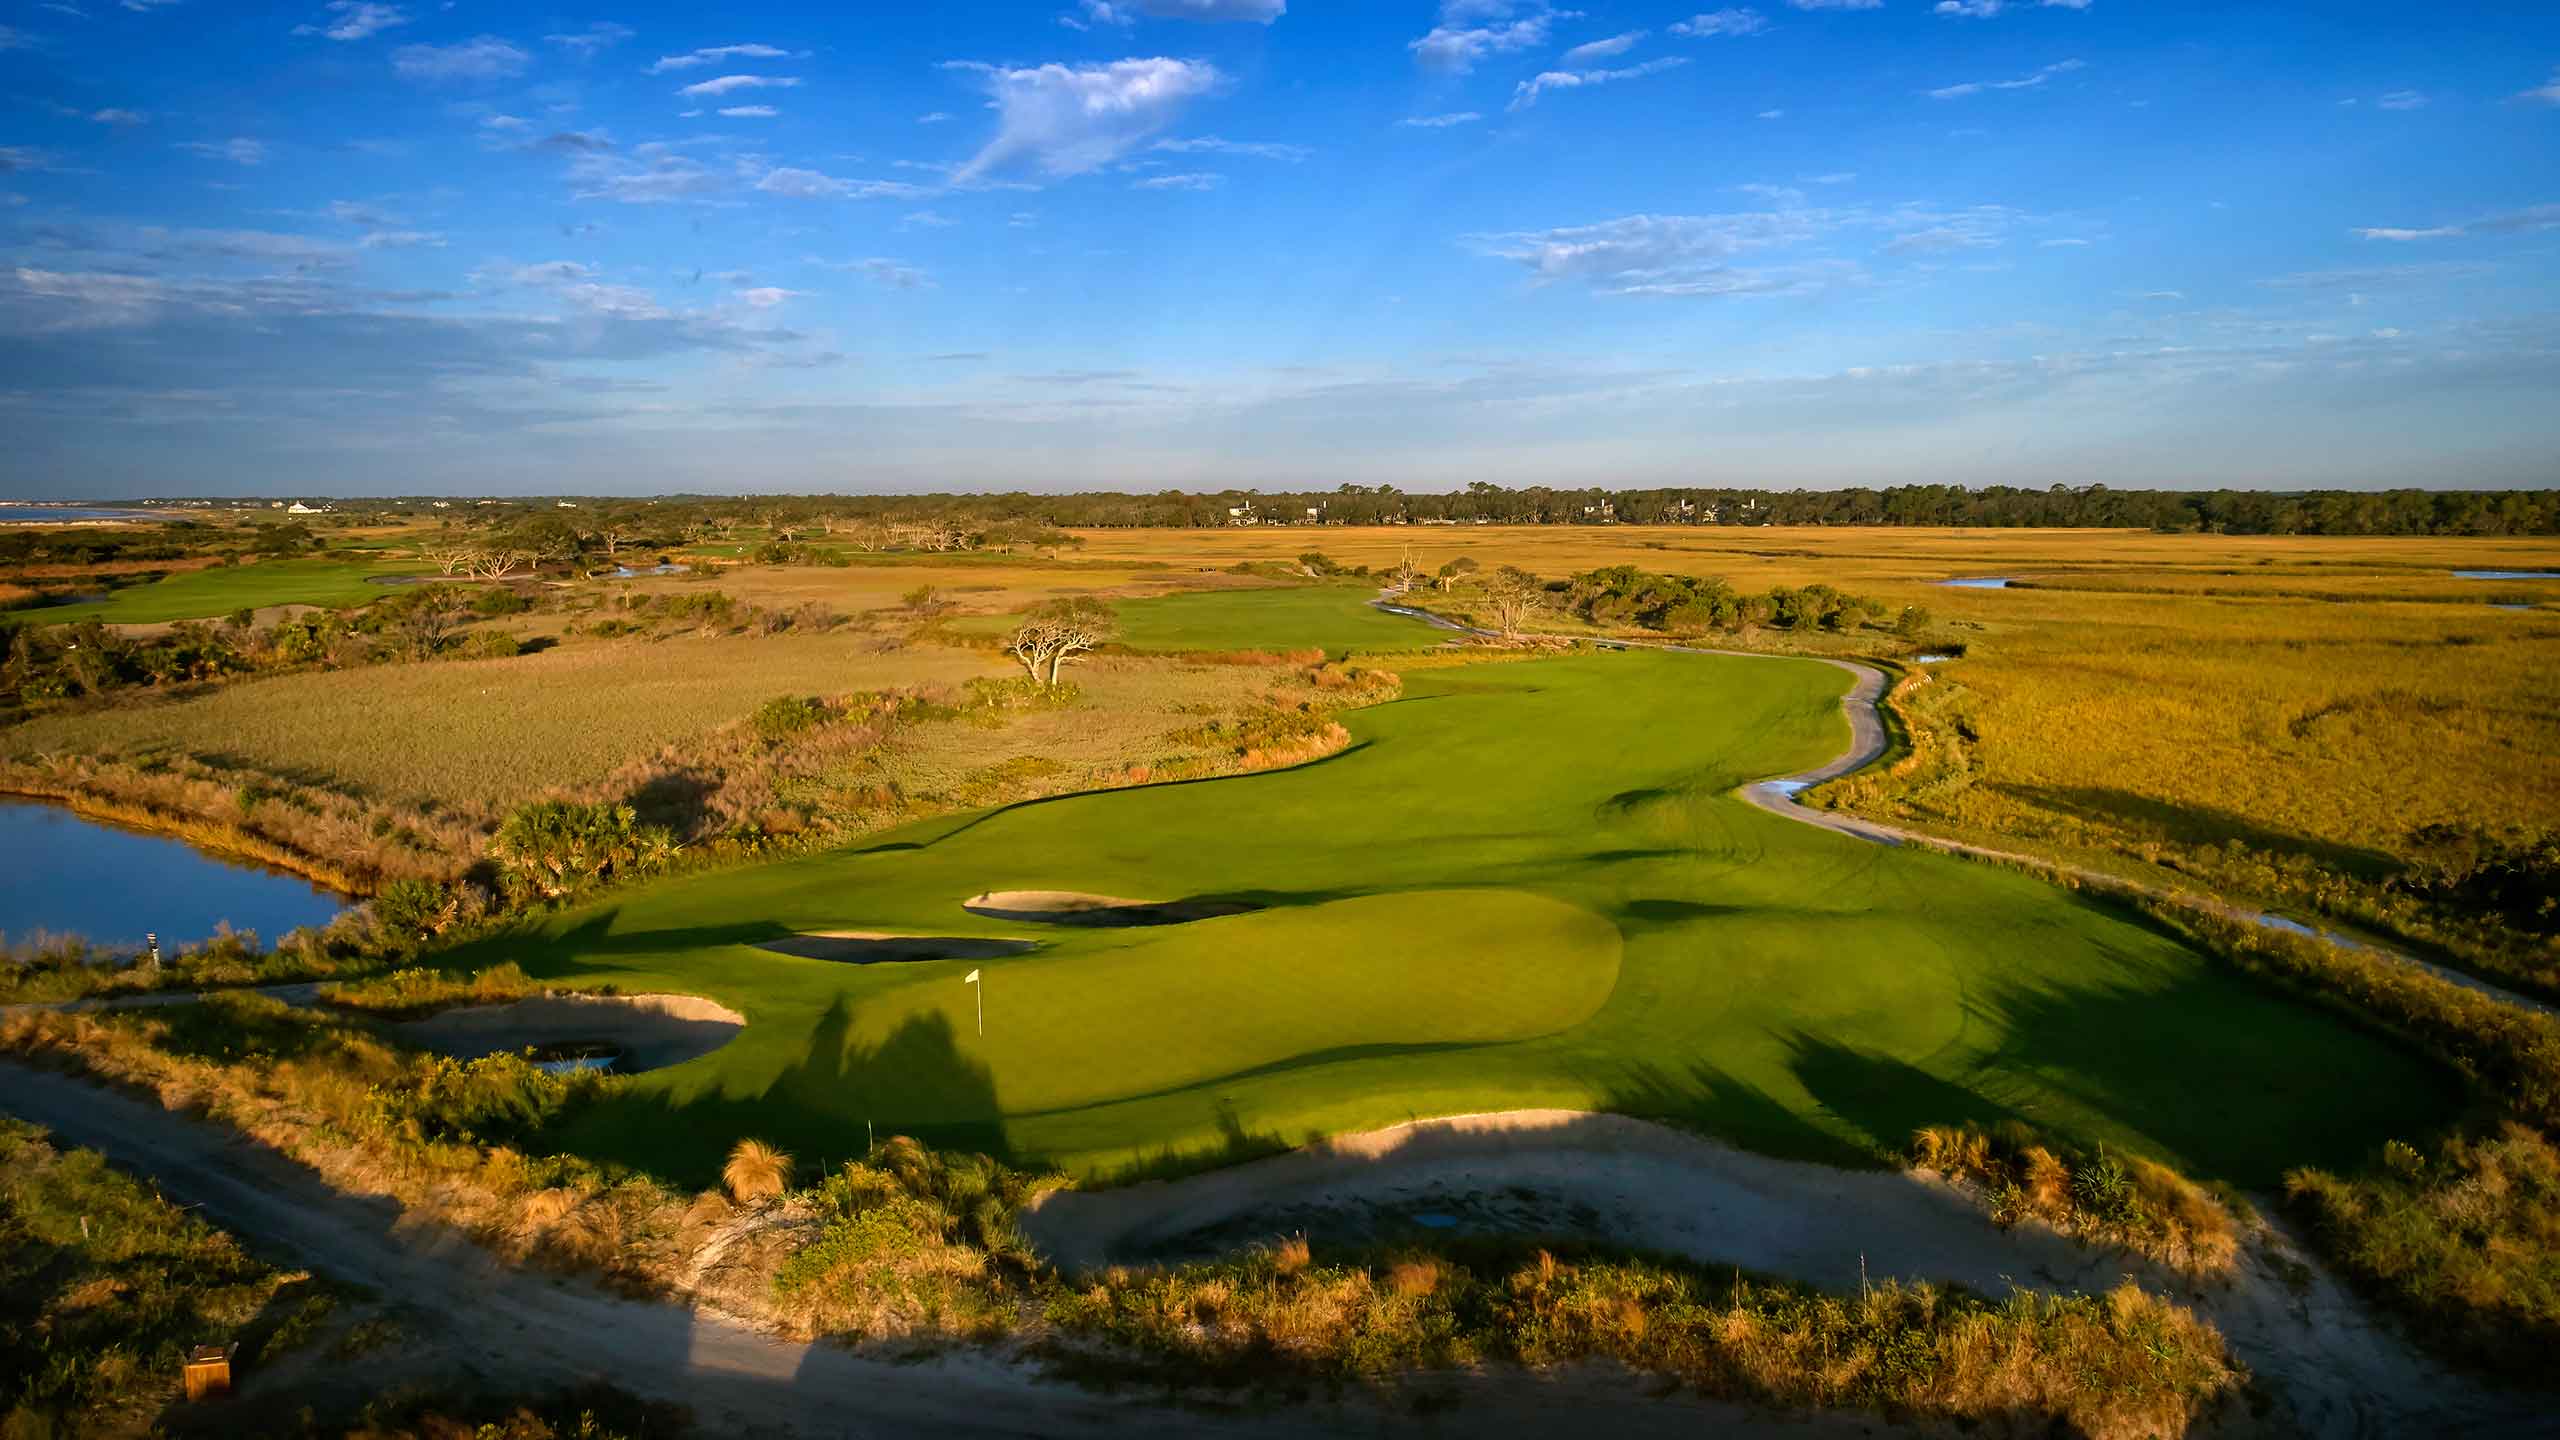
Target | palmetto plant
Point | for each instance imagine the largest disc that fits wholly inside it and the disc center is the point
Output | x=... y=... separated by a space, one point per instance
x=557 y=847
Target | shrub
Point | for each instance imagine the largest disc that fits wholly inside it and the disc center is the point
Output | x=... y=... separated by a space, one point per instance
x=553 y=848
x=415 y=908
x=786 y=716
x=2145 y=1207
x=755 y=1171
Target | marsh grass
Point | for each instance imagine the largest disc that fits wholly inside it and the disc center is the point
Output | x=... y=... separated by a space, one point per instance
x=104 y=1287
x=911 y=1247
x=2098 y=1196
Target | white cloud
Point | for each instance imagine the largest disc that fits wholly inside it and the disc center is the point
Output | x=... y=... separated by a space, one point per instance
x=1126 y=12
x=1721 y=22
x=1069 y=120
x=653 y=174
x=1837 y=4
x=1608 y=49
x=402 y=240
x=934 y=118
x=237 y=151
x=483 y=58
x=705 y=88
x=602 y=35
x=926 y=219
x=2403 y=100
x=717 y=53
x=1212 y=145
x=2026 y=82
x=1470 y=30
x=1529 y=90
x=1836 y=177
x=895 y=274
x=13 y=39
x=505 y=122
x=2514 y=222
x=2063 y=242
x=1441 y=122
x=357 y=19
x=799 y=184
x=765 y=297
x=2548 y=94
x=1773 y=114
x=300 y=252
x=1645 y=254
x=750 y=112
x=121 y=117
x=1196 y=180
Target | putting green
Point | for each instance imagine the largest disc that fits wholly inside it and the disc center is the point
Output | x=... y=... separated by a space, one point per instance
x=1523 y=885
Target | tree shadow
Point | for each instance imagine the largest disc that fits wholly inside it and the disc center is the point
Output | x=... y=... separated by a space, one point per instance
x=825 y=1108
x=678 y=799
x=2198 y=825
x=1705 y=1097
x=1884 y=1098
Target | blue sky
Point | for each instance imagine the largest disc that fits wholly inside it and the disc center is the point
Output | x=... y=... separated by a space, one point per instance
x=355 y=246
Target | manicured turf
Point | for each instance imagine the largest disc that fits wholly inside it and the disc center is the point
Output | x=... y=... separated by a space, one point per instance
x=1331 y=618
x=1525 y=885
x=202 y=594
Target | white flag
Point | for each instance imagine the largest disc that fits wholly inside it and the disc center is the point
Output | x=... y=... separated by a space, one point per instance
x=971 y=978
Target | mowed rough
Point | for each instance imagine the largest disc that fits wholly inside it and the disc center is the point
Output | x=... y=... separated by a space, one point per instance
x=1792 y=990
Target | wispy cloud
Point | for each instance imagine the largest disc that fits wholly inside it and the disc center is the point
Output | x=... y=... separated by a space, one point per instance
x=120 y=118
x=483 y=58
x=1993 y=9
x=891 y=274
x=1196 y=180
x=2024 y=82
x=798 y=184
x=1070 y=120
x=715 y=54
x=1607 y=49
x=356 y=19
x=2403 y=100
x=2513 y=222
x=1528 y=91
x=1715 y=23
x=600 y=36
x=1258 y=149
x=704 y=89
x=1124 y=13
x=237 y=151
x=934 y=117
x=2547 y=93
x=1836 y=4
x=749 y=112
x=1471 y=30
x=1441 y=122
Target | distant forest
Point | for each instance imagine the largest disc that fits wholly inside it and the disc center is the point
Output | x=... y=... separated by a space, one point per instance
x=2227 y=512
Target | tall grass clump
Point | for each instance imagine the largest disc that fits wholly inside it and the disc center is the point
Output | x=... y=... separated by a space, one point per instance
x=2125 y=1364
x=2097 y=1195
x=755 y=1171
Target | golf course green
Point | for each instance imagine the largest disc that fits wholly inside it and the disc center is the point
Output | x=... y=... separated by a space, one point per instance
x=1332 y=618
x=222 y=589
x=1524 y=884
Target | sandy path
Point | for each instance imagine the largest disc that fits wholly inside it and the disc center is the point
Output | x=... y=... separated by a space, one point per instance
x=470 y=1320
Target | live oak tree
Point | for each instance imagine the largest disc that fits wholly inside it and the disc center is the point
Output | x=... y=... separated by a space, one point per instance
x=1055 y=634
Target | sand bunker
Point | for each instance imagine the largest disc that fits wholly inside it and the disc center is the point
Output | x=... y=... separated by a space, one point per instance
x=648 y=1032
x=1604 y=1177
x=1069 y=907
x=859 y=947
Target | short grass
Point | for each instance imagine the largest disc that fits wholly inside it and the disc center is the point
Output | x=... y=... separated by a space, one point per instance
x=1332 y=618
x=482 y=735
x=1787 y=988
x=222 y=589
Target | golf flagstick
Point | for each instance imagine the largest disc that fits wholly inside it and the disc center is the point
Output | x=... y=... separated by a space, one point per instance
x=982 y=1000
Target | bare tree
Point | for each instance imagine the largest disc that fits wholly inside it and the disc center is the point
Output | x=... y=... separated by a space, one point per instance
x=1055 y=634
x=1513 y=593
x=493 y=563
x=1406 y=574
x=447 y=556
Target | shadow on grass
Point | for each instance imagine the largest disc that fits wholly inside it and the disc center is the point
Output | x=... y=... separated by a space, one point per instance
x=2199 y=825
x=913 y=1082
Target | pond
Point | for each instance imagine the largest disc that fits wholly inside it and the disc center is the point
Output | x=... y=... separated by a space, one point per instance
x=2506 y=574
x=1979 y=582
x=38 y=514
x=70 y=876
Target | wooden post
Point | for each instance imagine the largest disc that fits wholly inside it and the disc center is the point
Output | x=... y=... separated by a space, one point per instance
x=209 y=1371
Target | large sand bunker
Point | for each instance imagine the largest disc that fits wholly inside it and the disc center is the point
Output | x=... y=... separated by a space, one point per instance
x=1070 y=907
x=649 y=1032
x=862 y=947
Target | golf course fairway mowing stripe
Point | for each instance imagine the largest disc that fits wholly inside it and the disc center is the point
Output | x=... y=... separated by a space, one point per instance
x=1523 y=885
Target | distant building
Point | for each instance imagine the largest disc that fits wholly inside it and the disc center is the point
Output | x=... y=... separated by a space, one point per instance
x=298 y=508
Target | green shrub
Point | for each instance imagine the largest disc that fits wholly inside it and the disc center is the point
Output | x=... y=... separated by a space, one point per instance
x=787 y=716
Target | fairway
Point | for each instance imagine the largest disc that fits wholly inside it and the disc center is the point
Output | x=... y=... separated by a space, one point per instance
x=1523 y=885
x=1331 y=618
x=203 y=594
